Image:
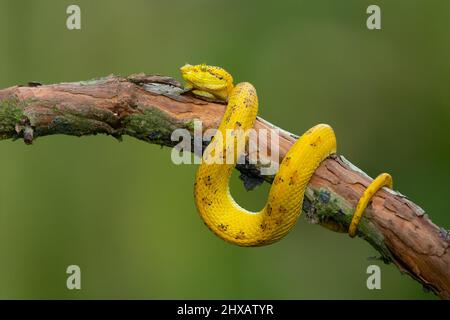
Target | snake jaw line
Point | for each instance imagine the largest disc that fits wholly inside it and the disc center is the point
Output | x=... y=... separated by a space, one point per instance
x=208 y=80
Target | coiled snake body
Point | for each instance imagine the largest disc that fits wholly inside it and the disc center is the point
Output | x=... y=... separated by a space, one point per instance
x=214 y=202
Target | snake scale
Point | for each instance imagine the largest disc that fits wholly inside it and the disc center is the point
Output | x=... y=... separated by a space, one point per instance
x=216 y=206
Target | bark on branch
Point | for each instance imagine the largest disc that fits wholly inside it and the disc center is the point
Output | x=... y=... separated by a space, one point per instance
x=150 y=107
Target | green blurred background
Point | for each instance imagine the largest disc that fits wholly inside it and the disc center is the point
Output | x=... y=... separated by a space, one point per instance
x=125 y=214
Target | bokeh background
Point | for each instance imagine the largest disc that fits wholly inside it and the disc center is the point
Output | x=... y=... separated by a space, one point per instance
x=125 y=214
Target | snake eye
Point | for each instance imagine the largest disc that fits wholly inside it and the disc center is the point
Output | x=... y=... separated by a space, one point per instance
x=203 y=67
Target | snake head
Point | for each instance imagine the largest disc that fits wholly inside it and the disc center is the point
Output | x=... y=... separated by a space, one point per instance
x=208 y=79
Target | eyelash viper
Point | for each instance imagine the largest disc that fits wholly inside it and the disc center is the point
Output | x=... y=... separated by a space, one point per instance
x=214 y=202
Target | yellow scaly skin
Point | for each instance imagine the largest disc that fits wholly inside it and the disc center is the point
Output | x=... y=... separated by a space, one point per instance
x=383 y=180
x=212 y=195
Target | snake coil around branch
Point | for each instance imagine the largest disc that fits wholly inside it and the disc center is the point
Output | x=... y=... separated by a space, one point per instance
x=150 y=107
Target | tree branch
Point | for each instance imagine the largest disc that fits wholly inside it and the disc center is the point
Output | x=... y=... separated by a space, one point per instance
x=149 y=108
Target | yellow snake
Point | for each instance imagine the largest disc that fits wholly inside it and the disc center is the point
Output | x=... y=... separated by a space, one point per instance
x=214 y=202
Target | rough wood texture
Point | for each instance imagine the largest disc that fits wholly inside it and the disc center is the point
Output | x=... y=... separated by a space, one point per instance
x=151 y=107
